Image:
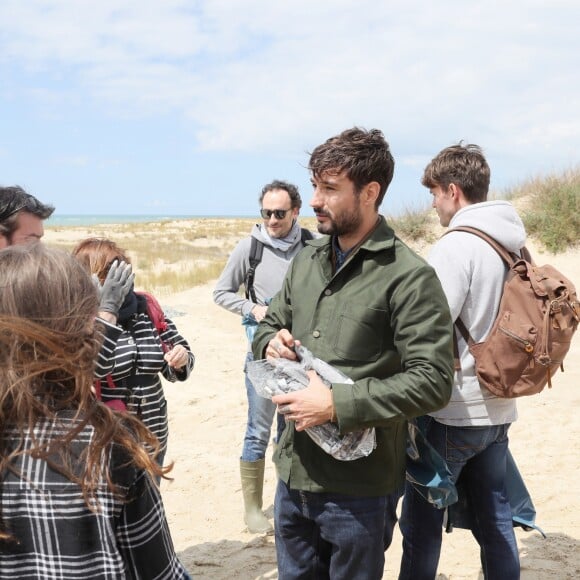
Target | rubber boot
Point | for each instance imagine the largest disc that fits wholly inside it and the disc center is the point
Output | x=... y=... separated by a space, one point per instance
x=252 y=473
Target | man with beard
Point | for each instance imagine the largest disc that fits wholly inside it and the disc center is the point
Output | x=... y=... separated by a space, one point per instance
x=362 y=301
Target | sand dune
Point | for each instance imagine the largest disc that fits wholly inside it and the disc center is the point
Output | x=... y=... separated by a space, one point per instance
x=207 y=421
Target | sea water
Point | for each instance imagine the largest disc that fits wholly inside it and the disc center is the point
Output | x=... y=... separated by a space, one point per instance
x=92 y=220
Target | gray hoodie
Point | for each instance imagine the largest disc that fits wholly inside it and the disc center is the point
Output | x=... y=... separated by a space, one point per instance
x=268 y=279
x=472 y=276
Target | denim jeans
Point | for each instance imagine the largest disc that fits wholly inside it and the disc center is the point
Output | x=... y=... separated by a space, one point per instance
x=391 y=517
x=261 y=412
x=478 y=454
x=329 y=535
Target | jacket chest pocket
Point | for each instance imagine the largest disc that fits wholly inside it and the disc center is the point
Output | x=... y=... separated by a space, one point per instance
x=360 y=333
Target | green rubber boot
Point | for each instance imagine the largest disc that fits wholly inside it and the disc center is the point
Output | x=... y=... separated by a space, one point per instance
x=252 y=473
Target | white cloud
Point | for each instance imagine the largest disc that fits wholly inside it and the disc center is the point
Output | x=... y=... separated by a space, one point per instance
x=255 y=76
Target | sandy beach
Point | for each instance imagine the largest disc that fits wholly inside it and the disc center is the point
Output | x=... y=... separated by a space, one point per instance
x=207 y=422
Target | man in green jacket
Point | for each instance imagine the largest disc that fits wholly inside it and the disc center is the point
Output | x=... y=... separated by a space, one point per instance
x=362 y=301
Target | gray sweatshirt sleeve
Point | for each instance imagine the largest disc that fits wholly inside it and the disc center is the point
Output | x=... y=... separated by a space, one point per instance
x=226 y=293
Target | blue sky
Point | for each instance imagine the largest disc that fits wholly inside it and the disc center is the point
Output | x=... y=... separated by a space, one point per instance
x=187 y=107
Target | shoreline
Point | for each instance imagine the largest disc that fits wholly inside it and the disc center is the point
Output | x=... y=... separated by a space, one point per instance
x=88 y=220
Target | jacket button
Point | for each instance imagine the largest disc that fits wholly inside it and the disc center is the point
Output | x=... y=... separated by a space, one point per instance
x=328 y=292
x=316 y=334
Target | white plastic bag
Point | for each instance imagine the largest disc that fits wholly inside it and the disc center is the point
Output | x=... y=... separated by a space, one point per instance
x=277 y=376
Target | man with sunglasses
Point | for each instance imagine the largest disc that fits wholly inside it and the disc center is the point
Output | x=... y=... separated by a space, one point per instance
x=279 y=238
x=21 y=217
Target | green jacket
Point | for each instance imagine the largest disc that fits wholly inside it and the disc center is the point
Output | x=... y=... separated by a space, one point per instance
x=382 y=320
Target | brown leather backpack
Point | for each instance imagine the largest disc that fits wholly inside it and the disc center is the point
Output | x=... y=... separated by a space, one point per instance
x=538 y=314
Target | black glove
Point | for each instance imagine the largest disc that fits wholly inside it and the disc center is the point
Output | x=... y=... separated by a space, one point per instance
x=116 y=286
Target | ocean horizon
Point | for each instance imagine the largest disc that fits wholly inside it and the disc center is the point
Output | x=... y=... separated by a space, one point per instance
x=71 y=220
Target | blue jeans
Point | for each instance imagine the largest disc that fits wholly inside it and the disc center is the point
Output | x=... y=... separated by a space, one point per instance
x=261 y=412
x=478 y=454
x=329 y=535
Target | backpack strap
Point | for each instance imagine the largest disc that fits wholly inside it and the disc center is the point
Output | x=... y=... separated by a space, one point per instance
x=157 y=316
x=256 y=251
x=504 y=254
x=305 y=235
x=115 y=404
x=459 y=324
x=97 y=384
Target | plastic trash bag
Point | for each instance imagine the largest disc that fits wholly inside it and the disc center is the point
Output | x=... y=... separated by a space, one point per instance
x=278 y=376
x=250 y=325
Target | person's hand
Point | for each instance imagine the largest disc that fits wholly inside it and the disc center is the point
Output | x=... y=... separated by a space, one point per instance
x=258 y=312
x=177 y=357
x=282 y=346
x=307 y=407
x=116 y=286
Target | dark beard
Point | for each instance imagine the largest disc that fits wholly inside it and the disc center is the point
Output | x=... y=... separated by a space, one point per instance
x=342 y=225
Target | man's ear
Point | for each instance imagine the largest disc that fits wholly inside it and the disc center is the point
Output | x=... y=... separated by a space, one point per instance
x=3 y=241
x=371 y=192
x=457 y=195
x=452 y=190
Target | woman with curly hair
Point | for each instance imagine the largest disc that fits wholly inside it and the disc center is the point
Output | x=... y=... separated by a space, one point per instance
x=78 y=497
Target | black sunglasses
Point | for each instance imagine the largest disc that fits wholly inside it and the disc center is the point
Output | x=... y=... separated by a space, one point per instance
x=279 y=214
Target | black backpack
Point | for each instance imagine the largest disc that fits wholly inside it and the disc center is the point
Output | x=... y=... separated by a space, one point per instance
x=256 y=250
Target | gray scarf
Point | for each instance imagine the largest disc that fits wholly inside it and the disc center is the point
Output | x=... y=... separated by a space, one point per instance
x=283 y=244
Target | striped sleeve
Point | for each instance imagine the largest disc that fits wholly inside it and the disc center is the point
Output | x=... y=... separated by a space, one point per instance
x=106 y=359
x=171 y=336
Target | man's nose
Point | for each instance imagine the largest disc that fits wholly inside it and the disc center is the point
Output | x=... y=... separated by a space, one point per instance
x=315 y=201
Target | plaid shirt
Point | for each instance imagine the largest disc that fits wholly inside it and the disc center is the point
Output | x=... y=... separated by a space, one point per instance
x=58 y=537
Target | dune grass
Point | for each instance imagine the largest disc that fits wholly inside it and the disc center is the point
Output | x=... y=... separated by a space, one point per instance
x=170 y=256
x=415 y=225
x=550 y=208
x=548 y=205
x=166 y=256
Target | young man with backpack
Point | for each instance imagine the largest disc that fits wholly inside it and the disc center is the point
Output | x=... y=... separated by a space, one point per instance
x=259 y=263
x=471 y=432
